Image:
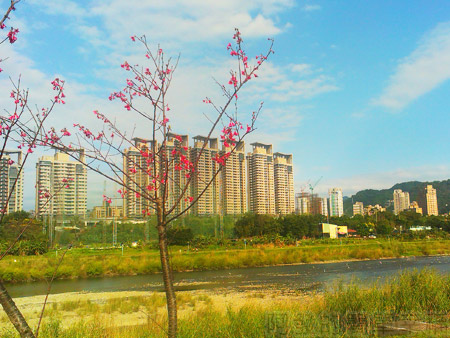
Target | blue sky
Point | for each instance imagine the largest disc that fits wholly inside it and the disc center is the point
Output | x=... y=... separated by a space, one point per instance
x=357 y=91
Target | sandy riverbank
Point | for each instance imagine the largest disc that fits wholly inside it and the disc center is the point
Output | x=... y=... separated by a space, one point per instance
x=130 y=308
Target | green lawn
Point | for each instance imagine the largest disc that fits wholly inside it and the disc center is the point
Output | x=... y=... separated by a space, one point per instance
x=83 y=263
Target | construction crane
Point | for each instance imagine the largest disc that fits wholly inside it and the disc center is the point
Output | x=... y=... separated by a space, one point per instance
x=299 y=208
x=311 y=187
x=303 y=188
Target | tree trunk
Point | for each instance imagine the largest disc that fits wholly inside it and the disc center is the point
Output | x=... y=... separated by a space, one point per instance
x=14 y=314
x=167 y=273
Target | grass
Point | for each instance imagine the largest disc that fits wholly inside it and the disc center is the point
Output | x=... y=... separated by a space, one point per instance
x=83 y=263
x=344 y=311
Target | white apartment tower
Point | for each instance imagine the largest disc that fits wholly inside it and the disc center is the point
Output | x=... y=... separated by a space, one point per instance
x=11 y=182
x=284 y=184
x=401 y=201
x=336 y=202
x=139 y=170
x=61 y=185
x=204 y=151
x=233 y=181
x=358 y=208
x=324 y=207
x=431 y=197
x=261 y=187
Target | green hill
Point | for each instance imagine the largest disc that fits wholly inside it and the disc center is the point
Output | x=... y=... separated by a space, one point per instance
x=371 y=196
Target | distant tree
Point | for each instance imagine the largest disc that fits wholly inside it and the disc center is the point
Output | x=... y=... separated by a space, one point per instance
x=16 y=216
x=363 y=229
x=245 y=226
x=266 y=225
x=436 y=222
x=179 y=235
x=251 y=225
x=384 y=227
x=11 y=226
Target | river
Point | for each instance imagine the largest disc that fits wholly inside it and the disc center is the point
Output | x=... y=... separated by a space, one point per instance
x=294 y=277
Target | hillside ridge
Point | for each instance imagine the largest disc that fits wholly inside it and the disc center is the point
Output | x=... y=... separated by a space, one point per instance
x=382 y=196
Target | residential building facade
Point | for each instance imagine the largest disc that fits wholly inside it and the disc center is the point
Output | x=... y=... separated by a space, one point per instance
x=177 y=149
x=261 y=187
x=202 y=153
x=401 y=201
x=373 y=209
x=431 y=199
x=358 y=208
x=284 y=184
x=11 y=182
x=138 y=168
x=302 y=203
x=336 y=202
x=260 y=182
x=233 y=181
x=61 y=185
x=107 y=211
x=414 y=206
x=324 y=206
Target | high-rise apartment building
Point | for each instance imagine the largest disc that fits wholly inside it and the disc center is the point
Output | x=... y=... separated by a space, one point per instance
x=261 y=187
x=61 y=185
x=358 y=208
x=11 y=182
x=177 y=149
x=431 y=201
x=138 y=167
x=202 y=153
x=261 y=182
x=401 y=201
x=324 y=206
x=284 y=184
x=336 y=202
x=302 y=203
x=234 y=182
x=307 y=204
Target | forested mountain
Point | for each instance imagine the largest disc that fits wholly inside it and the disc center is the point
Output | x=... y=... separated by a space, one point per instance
x=371 y=196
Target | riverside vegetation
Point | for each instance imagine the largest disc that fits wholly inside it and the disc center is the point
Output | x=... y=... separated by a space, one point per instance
x=83 y=263
x=343 y=311
x=198 y=243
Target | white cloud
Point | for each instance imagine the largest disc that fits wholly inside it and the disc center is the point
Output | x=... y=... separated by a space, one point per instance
x=64 y=7
x=293 y=82
x=171 y=21
x=304 y=88
x=302 y=68
x=311 y=8
x=427 y=67
x=191 y=26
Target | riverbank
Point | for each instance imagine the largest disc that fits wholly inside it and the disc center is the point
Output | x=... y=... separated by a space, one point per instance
x=422 y=296
x=82 y=263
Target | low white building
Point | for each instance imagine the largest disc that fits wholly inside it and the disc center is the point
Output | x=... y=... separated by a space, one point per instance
x=333 y=230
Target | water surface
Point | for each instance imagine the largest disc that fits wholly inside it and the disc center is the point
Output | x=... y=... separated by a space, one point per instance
x=293 y=277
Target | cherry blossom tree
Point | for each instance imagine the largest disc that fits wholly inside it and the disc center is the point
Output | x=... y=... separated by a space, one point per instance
x=21 y=127
x=158 y=164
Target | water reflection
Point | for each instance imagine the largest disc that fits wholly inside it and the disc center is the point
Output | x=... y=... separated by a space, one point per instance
x=295 y=277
